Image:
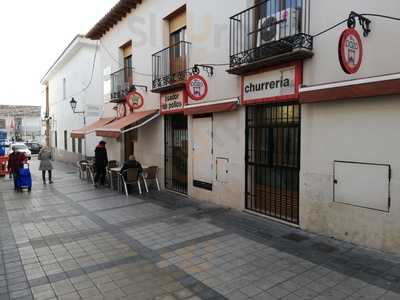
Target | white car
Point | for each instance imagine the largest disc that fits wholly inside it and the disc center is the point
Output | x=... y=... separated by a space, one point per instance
x=21 y=147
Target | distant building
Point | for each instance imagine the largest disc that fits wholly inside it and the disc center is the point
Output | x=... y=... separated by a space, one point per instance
x=22 y=123
x=75 y=74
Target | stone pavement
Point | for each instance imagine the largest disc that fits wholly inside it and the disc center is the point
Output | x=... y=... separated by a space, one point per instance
x=71 y=241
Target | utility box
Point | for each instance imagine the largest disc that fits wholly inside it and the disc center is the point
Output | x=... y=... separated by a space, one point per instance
x=362 y=184
x=222 y=169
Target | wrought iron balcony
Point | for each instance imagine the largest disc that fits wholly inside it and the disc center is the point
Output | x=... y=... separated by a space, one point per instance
x=121 y=84
x=268 y=33
x=170 y=66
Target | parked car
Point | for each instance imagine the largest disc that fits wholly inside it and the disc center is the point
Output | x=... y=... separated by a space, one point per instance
x=34 y=147
x=21 y=147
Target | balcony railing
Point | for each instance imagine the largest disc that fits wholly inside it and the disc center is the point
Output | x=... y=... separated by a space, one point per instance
x=266 y=30
x=121 y=84
x=170 y=66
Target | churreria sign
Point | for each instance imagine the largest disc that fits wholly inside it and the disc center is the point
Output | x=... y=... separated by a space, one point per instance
x=277 y=84
x=274 y=85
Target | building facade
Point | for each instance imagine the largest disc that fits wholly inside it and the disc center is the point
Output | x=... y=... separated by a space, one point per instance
x=21 y=123
x=75 y=74
x=254 y=106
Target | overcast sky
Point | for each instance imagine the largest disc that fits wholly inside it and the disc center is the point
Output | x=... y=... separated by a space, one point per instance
x=33 y=35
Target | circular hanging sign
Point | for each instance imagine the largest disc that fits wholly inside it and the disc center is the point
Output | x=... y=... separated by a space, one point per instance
x=135 y=100
x=350 y=51
x=196 y=87
x=121 y=110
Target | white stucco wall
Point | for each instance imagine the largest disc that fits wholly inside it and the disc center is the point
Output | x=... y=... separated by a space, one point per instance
x=77 y=70
x=228 y=143
x=351 y=130
x=149 y=148
x=380 y=47
x=360 y=130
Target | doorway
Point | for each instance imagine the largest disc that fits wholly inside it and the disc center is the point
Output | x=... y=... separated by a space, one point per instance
x=176 y=153
x=273 y=160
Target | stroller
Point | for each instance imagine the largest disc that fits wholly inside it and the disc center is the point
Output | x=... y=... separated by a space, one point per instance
x=24 y=180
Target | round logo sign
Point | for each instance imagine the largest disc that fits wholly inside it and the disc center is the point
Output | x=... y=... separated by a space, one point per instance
x=350 y=51
x=135 y=100
x=196 y=87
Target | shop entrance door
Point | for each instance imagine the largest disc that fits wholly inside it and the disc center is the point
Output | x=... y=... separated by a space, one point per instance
x=273 y=160
x=176 y=153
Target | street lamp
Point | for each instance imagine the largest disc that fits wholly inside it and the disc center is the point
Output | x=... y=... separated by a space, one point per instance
x=73 y=104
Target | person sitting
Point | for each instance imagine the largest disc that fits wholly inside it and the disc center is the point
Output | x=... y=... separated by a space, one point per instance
x=131 y=163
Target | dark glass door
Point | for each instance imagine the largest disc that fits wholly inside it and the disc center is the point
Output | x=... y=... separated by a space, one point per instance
x=273 y=160
x=176 y=153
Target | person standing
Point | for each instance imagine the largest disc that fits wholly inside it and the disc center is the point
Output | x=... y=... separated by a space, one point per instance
x=100 y=163
x=16 y=161
x=45 y=158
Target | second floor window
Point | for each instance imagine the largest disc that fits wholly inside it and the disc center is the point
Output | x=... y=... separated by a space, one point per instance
x=127 y=53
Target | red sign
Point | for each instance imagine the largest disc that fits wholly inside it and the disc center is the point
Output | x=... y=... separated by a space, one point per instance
x=350 y=51
x=196 y=87
x=173 y=102
x=134 y=100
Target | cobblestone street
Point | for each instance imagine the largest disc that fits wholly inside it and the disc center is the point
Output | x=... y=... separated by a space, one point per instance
x=71 y=241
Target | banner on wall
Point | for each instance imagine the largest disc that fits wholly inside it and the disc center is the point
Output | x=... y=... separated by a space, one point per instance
x=173 y=102
x=272 y=85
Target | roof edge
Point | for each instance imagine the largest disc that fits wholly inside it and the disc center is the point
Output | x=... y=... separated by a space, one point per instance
x=114 y=16
x=78 y=39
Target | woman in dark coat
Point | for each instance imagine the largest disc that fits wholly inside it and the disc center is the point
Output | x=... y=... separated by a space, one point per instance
x=100 y=163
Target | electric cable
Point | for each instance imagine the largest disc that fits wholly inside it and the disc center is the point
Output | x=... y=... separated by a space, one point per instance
x=119 y=63
x=381 y=16
x=364 y=15
x=90 y=80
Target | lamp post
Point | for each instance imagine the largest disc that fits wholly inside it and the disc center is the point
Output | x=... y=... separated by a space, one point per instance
x=73 y=104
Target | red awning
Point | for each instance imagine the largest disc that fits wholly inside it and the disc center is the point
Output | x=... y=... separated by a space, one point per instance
x=211 y=107
x=80 y=133
x=135 y=119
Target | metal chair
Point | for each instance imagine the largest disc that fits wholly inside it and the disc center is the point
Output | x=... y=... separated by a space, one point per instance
x=132 y=177
x=111 y=164
x=90 y=172
x=151 y=175
x=82 y=164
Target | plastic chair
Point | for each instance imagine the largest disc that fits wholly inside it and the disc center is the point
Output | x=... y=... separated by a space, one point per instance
x=151 y=175
x=132 y=177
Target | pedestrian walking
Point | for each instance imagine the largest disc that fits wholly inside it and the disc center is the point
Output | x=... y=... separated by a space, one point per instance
x=16 y=161
x=100 y=163
x=45 y=158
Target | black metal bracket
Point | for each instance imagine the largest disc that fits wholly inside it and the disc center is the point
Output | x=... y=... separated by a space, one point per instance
x=206 y=68
x=135 y=86
x=364 y=22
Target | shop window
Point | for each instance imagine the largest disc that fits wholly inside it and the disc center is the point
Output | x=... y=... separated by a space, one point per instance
x=73 y=145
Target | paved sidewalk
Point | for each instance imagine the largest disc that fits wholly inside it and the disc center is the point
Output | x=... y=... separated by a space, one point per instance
x=71 y=241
